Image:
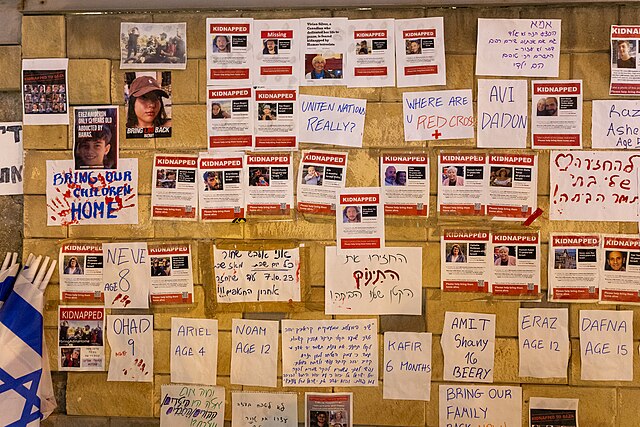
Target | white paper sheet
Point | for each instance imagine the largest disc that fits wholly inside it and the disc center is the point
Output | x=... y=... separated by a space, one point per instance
x=229 y=51
x=329 y=120
x=254 y=352
x=371 y=54
x=194 y=350
x=174 y=193
x=436 y=115
x=494 y=405
x=420 y=52
x=182 y=405
x=130 y=337
x=267 y=409
x=614 y=124
x=543 y=335
x=276 y=52
x=12 y=161
x=325 y=51
x=407 y=366
x=502 y=113
x=126 y=275
x=359 y=218
x=556 y=114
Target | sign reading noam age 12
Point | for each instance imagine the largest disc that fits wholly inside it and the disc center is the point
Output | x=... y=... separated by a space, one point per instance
x=92 y=197
x=438 y=115
x=518 y=47
x=328 y=120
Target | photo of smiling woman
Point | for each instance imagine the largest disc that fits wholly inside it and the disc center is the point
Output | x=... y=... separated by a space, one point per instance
x=148 y=102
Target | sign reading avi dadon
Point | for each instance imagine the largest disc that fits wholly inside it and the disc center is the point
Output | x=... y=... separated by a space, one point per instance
x=93 y=196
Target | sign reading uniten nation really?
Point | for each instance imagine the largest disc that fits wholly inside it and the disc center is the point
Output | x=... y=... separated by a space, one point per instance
x=327 y=120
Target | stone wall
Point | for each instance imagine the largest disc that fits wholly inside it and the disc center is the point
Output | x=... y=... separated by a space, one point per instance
x=91 y=43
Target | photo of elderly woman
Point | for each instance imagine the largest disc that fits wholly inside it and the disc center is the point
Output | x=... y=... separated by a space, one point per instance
x=148 y=104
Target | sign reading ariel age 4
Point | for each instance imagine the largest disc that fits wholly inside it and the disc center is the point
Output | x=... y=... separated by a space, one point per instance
x=80 y=270
x=359 y=218
x=269 y=184
x=516 y=263
x=556 y=116
x=404 y=179
x=171 y=273
x=230 y=118
x=174 y=195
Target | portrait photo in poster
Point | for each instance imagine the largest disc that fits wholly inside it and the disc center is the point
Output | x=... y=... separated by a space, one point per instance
x=147 y=97
x=44 y=91
x=95 y=137
x=12 y=161
x=229 y=46
x=328 y=409
x=146 y=45
x=625 y=79
x=324 y=50
x=277 y=53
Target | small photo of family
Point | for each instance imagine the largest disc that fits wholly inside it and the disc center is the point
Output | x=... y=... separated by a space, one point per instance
x=160 y=266
x=80 y=333
x=312 y=174
x=395 y=177
x=258 y=177
x=166 y=178
x=145 y=45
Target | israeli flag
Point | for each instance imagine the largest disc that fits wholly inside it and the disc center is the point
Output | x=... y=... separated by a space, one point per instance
x=26 y=392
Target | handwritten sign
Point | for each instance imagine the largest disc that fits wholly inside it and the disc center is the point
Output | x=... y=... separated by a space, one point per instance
x=502 y=113
x=194 y=350
x=614 y=124
x=385 y=281
x=328 y=120
x=593 y=186
x=252 y=409
x=92 y=196
x=435 y=115
x=518 y=47
x=468 y=343
x=543 y=335
x=606 y=345
x=407 y=366
x=12 y=162
x=477 y=405
x=329 y=353
x=126 y=275
x=186 y=406
x=244 y=276
x=131 y=340
x=254 y=352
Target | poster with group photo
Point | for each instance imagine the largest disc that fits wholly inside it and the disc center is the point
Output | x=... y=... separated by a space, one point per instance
x=359 y=218
x=371 y=60
x=461 y=184
x=404 y=179
x=620 y=269
x=44 y=91
x=516 y=262
x=174 y=194
x=574 y=267
x=95 y=137
x=513 y=186
x=230 y=115
x=171 y=273
x=277 y=52
x=276 y=124
x=221 y=187
x=269 y=184
x=625 y=78
x=80 y=272
x=147 y=100
x=465 y=265
x=81 y=338
x=324 y=51
x=146 y=45
x=321 y=174
x=229 y=51
x=556 y=114
x=420 y=52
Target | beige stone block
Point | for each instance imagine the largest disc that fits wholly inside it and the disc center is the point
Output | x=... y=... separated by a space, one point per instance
x=594 y=70
x=225 y=320
x=431 y=264
x=384 y=127
x=46 y=137
x=189 y=129
x=371 y=94
x=51 y=339
x=51 y=303
x=89 y=81
x=543 y=173
x=97 y=36
x=309 y=315
x=202 y=77
x=288 y=13
x=162 y=315
x=43 y=37
x=574 y=316
x=584 y=28
x=11 y=66
x=35 y=220
x=161 y=352
x=363 y=169
x=598 y=405
x=294 y=230
x=405 y=230
x=142 y=230
x=369 y=408
x=187 y=229
x=89 y=393
x=627 y=407
x=628 y=228
x=315 y=273
x=35 y=169
x=196 y=26
x=381 y=13
x=438 y=303
x=224 y=353
x=587 y=111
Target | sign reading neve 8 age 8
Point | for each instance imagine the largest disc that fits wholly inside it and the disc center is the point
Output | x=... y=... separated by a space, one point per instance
x=248 y=276
x=593 y=186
